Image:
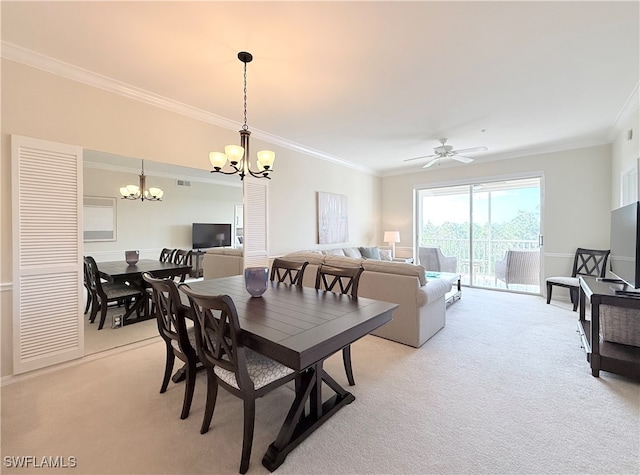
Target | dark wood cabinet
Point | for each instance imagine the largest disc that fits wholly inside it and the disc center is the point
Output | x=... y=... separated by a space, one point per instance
x=605 y=355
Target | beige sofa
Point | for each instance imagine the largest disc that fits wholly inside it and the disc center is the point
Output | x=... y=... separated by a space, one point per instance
x=421 y=312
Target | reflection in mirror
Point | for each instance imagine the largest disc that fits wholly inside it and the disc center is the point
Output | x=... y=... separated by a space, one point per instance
x=190 y=196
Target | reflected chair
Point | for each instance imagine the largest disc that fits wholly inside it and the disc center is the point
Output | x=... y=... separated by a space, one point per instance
x=179 y=340
x=244 y=373
x=104 y=293
x=182 y=258
x=166 y=255
x=347 y=280
x=587 y=262
x=289 y=272
x=520 y=267
x=432 y=259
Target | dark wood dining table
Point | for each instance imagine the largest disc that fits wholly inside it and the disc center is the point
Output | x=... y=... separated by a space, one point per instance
x=301 y=327
x=120 y=271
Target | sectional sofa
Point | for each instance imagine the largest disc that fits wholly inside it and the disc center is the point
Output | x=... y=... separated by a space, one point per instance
x=421 y=312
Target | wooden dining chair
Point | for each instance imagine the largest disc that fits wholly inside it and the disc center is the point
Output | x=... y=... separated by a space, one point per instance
x=104 y=293
x=289 y=272
x=166 y=255
x=244 y=373
x=587 y=262
x=183 y=258
x=178 y=338
x=345 y=279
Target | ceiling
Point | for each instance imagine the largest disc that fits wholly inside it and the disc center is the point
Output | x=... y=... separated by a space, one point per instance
x=364 y=83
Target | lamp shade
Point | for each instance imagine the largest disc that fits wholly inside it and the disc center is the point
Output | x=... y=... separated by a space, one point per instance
x=391 y=236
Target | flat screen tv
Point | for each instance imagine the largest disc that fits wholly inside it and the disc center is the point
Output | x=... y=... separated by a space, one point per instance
x=206 y=235
x=625 y=244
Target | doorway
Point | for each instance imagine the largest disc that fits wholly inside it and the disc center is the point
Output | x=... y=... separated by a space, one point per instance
x=492 y=229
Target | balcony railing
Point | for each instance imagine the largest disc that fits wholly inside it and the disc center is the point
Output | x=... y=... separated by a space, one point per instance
x=485 y=255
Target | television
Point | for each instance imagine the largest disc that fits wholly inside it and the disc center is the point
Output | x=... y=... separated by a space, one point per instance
x=625 y=245
x=206 y=235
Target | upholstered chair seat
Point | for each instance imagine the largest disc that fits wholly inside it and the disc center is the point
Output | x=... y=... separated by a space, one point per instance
x=262 y=370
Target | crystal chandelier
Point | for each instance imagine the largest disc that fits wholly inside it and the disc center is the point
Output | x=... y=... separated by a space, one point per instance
x=238 y=155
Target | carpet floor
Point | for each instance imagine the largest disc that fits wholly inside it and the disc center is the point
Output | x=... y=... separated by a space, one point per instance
x=504 y=388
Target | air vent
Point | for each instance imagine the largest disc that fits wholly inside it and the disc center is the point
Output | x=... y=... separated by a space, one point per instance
x=183 y=183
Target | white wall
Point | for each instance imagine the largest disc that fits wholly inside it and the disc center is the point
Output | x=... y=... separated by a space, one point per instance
x=42 y=105
x=576 y=202
x=150 y=226
x=625 y=153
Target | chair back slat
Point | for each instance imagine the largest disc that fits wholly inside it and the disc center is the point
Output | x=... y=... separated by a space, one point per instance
x=166 y=255
x=590 y=262
x=218 y=334
x=93 y=276
x=345 y=278
x=289 y=272
x=170 y=313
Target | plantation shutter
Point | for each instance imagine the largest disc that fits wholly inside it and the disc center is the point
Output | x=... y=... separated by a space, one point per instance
x=47 y=253
x=256 y=222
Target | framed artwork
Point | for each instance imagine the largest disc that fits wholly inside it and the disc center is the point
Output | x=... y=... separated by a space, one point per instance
x=99 y=223
x=333 y=218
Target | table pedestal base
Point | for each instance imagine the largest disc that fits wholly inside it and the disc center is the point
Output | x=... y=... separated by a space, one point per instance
x=309 y=388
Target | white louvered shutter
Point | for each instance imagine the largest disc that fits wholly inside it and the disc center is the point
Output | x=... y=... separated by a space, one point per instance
x=256 y=222
x=47 y=253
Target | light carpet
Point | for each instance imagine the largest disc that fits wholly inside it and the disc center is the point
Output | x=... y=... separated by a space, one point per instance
x=504 y=388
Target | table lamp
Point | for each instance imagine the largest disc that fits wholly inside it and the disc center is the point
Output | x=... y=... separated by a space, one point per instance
x=392 y=237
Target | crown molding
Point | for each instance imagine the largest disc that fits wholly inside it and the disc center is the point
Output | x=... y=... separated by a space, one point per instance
x=628 y=109
x=60 y=68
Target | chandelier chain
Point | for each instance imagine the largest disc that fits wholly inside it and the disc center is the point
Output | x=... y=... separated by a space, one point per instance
x=245 y=126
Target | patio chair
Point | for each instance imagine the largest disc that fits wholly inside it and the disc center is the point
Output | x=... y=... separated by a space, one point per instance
x=347 y=279
x=519 y=267
x=432 y=259
x=588 y=262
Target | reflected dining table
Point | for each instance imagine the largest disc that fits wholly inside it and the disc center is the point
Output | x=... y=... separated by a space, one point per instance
x=120 y=271
x=300 y=327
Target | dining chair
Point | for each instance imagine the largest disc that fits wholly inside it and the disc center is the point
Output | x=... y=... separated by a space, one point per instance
x=182 y=257
x=104 y=293
x=87 y=286
x=346 y=279
x=166 y=255
x=289 y=272
x=179 y=340
x=245 y=373
x=587 y=262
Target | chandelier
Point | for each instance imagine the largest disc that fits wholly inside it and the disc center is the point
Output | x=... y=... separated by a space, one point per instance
x=238 y=155
x=138 y=192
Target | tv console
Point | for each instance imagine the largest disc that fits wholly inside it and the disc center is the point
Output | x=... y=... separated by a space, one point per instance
x=606 y=355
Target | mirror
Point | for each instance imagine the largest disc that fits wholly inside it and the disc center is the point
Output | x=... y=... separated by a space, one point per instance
x=190 y=195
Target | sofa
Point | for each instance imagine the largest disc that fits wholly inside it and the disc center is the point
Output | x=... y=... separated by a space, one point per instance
x=421 y=312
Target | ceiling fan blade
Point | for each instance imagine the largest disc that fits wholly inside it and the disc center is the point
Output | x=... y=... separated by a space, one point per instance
x=462 y=159
x=472 y=149
x=418 y=158
x=431 y=162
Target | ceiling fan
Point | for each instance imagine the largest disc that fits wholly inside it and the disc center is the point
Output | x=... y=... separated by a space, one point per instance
x=447 y=151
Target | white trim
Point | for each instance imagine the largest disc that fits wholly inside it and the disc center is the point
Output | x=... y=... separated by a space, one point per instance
x=628 y=109
x=75 y=73
x=483 y=179
x=6 y=286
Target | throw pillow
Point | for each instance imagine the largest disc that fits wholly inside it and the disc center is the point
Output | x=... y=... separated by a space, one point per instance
x=385 y=255
x=333 y=252
x=370 y=252
x=352 y=252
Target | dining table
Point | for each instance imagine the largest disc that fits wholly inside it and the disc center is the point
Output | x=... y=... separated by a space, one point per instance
x=300 y=327
x=122 y=272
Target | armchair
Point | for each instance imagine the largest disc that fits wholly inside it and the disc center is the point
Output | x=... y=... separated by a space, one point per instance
x=432 y=259
x=519 y=267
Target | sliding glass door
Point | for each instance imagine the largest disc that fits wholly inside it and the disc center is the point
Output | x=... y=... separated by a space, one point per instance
x=492 y=230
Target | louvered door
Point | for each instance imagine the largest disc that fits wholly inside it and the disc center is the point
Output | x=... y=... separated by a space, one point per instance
x=47 y=253
x=256 y=222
